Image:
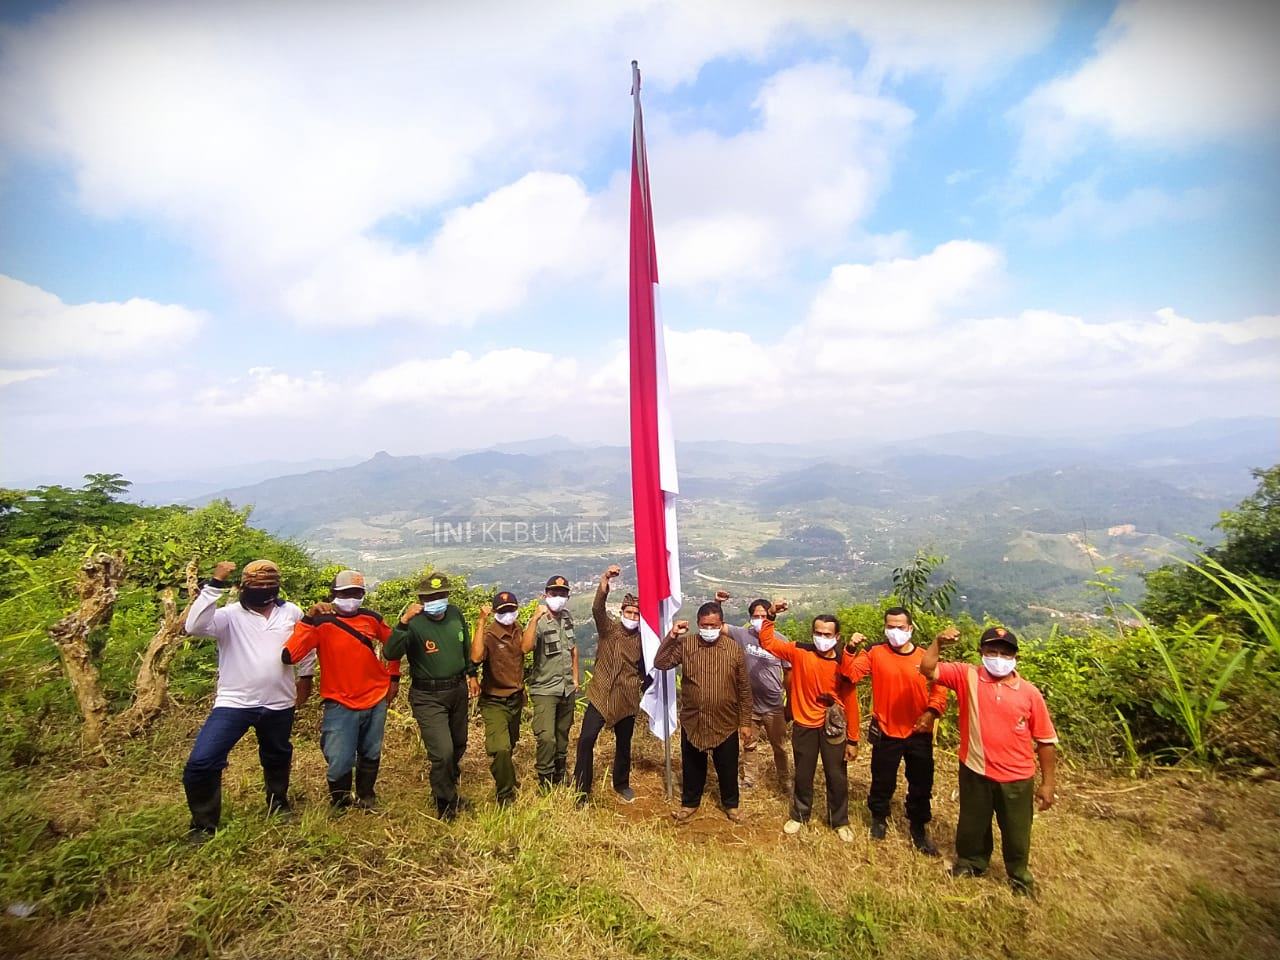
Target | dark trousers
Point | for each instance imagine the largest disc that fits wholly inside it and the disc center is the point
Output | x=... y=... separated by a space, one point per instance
x=442 y=722
x=552 y=721
x=225 y=727
x=501 y=733
x=1011 y=803
x=808 y=744
x=887 y=753
x=584 y=766
x=693 y=764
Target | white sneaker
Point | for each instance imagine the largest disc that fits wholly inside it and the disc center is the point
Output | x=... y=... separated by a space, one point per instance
x=845 y=833
x=792 y=827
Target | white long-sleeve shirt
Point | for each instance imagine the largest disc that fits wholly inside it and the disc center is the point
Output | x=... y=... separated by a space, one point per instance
x=250 y=671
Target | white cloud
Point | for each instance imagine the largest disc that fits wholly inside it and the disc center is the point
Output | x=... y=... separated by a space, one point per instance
x=1166 y=74
x=1085 y=210
x=37 y=325
x=269 y=396
x=286 y=162
x=499 y=378
x=902 y=295
x=8 y=377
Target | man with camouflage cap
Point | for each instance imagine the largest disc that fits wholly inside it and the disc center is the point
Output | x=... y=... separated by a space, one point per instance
x=254 y=688
x=355 y=685
x=434 y=635
x=497 y=644
x=553 y=685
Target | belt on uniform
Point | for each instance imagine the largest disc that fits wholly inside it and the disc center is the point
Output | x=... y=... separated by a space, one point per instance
x=446 y=684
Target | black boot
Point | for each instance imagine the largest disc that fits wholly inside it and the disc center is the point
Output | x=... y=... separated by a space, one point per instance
x=561 y=768
x=920 y=837
x=879 y=828
x=366 y=777
x=204 y=798
x=340 y=791
x=276 y=780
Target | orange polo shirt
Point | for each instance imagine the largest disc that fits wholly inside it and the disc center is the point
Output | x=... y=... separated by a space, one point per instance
x=351 y=673
x=1001 y=721
x=814 y=677
x=899 y=693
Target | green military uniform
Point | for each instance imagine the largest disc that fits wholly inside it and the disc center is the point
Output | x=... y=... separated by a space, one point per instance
x=552 y=690
x=439 y=663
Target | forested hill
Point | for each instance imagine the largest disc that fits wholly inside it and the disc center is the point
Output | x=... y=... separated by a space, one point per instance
x=1023 y=521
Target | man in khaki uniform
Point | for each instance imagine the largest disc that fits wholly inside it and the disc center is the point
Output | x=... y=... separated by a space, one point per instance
x=553 y=685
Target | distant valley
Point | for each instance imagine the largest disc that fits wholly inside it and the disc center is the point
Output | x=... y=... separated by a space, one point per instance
x=1025 y=522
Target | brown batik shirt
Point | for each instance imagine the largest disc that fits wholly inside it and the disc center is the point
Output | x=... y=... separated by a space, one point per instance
x=614 y=689
x=715 y=692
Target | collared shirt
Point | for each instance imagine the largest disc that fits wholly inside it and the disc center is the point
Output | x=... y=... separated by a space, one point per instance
x=1001 y=721
x=437 y=649
x=351 y=671
x=503 y=660
x=715 y=692
x=614 y=688
x=899 y=692
x=815 y=681
x=553 y=657
x=764 y=669
x=250 y=671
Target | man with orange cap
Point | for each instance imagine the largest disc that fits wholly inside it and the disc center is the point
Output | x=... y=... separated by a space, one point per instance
x=254 y=688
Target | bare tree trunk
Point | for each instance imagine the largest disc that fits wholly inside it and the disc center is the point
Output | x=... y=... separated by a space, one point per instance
x=98 y=587
x=151 y=690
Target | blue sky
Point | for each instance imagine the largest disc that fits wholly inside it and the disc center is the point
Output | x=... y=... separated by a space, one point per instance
x=404 y=228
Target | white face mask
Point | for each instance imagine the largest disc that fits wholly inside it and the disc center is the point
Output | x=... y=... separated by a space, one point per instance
x=757 y=623
x=347 y=605
x=709 y=634
x=556 y=604
x=507 y=617
x=898 y=636
x=824 y=644
x=629 y=624
x=1000 y=666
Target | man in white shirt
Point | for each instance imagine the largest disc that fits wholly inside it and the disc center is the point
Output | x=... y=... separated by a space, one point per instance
x=255 y=689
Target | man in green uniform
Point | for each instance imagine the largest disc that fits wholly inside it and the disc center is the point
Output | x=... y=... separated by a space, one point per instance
x=434 y=635
x=498 y=645
x=553 y=685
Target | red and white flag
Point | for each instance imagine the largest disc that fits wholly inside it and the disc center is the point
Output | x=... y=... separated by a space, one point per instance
x=653 y=452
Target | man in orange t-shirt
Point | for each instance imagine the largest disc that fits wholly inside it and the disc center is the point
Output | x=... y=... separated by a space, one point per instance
x=904 y=706
x=1004 y=728
x=355 y=685
x=822 y=693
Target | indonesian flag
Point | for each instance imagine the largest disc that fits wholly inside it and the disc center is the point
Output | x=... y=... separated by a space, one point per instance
x=653 y=453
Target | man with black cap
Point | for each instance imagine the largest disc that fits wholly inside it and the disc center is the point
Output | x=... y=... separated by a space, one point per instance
x=355 y=685
x=434 y=635
x=1004 y=728
x=497 y=644
x=254 y=688
x=553 y=685
x=613 y=695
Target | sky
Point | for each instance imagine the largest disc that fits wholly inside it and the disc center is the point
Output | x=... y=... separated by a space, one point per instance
x=240 y=232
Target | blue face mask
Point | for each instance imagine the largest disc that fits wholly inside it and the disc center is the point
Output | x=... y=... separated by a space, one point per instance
x=434 y=608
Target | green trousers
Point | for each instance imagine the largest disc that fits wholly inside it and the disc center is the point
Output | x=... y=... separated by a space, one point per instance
x=501 y=732
x=442 y=721
x=552 y=720
x=1012 y=804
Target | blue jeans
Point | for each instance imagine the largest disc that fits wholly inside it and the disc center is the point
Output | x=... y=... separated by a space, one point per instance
x=226 y=727
x=346 y=733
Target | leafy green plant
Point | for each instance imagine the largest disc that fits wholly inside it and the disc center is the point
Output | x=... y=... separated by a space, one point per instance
x=912 y=584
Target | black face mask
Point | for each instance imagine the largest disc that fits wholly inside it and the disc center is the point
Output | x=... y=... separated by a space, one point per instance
x=255 y=597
